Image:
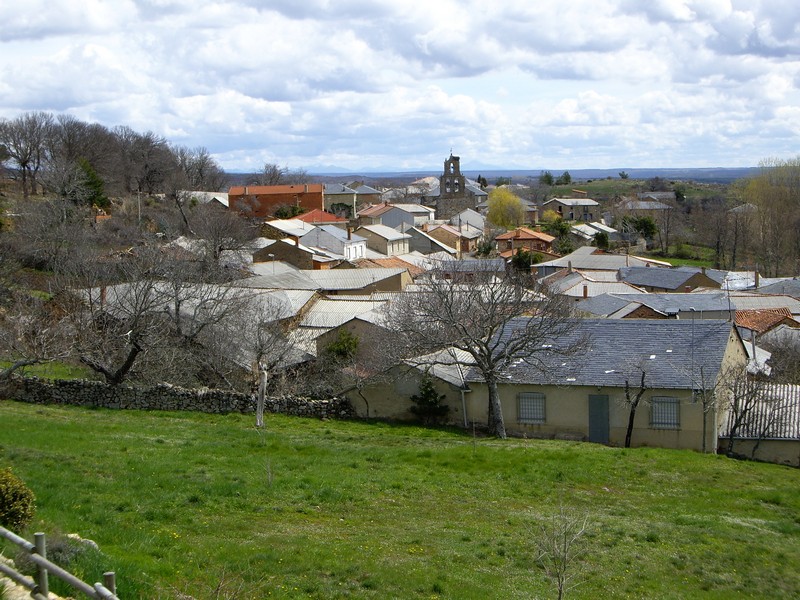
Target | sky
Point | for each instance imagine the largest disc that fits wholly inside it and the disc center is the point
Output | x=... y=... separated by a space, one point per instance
x=396 y=85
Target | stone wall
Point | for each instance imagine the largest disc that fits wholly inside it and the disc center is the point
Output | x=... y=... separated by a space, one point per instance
x=162 y=397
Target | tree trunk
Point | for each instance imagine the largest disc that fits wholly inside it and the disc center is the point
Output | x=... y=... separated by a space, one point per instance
x=496 y=424
x=262 y=393
x=631 y=418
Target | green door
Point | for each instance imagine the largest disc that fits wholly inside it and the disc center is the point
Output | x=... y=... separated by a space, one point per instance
x=598 y=419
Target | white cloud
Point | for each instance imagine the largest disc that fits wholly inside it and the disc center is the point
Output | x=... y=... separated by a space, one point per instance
x=365 y=83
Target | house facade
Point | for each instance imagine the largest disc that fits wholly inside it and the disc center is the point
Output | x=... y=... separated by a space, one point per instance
x=573 y=209
x=385 y=240
x=261 y=201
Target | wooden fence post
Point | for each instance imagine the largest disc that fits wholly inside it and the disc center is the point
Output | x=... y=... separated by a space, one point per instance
x=41 y=575
x=110 y=582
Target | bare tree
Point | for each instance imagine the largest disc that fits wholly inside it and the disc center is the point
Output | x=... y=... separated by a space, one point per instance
x=273 y=174
x=633 y=397
x=31 y=333
x=26 y=141
x=560 y=549
x=744 y=395
x=496 y=320
x=201 y=171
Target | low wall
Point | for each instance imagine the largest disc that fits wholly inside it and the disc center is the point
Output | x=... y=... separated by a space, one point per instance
x=96 y=394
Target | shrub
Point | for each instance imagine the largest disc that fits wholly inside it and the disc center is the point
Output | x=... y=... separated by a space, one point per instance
x=16 y=502
x=428 y=403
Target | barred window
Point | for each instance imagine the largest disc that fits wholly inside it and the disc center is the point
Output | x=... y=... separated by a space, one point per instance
x=531 y=407
x=665 y=413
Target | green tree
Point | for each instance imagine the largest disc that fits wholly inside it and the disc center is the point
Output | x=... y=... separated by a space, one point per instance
x=644 y=226
x=428 y=403
x=505 y=209
x=546 y=178
x=564 y=179
x=344 y=347
x=95 y=188
x=623 y=175
x=288 y=211
x=523 y=259
x=503 y=181
x=601 y=240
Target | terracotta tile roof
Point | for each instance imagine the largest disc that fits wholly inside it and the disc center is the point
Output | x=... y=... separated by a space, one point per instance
x=320 y=216
x=389 y=263
x=761 y=320
x=260 y=190
x=523 y=233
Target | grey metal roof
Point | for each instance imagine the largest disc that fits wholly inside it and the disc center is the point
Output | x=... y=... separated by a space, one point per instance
x=587 y=258
x=573 y=201
x=332 y=313
x=294 y=280
x=351 y=279
x=386 y=232
x=668 y=351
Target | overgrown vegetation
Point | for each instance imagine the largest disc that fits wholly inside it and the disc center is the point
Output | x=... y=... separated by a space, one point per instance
x=206 y=506
x=16 y=502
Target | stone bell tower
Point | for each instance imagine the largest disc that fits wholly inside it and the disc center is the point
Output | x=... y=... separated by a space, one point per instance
x=452 y=183
x=453 y=194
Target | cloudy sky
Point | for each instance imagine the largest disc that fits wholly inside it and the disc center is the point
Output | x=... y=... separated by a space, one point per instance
x=395 y=84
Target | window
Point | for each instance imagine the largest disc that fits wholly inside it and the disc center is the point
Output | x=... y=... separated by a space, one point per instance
x=665 y=413
x=531 y=408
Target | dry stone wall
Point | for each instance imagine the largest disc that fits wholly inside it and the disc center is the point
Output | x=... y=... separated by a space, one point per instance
x=162 y=397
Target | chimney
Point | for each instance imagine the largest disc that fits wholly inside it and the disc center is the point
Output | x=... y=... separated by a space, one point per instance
x=703 y=270
x=585 y=291
x=305 y=189
x=349 y=233
x=569 y=266
x=296 y=240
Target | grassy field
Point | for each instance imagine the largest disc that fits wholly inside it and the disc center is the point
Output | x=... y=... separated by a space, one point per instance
x=190 y=505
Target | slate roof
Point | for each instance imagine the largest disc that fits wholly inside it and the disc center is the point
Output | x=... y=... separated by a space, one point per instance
x=668 y=279
x=789 y=287
x=332 y=189
x=367 y=190
x=620 y=350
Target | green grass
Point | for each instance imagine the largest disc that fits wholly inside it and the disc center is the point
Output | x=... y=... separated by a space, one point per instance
x=53 y=370
x=204 y=505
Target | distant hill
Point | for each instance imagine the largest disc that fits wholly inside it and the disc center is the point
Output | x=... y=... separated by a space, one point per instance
x=713 y=174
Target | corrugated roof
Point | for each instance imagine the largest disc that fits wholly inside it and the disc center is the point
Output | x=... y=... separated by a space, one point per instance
x=332 y=313
x=385 y=232
x=573 y=201
x=669 y=351
x=588 y=258
x=351 y=279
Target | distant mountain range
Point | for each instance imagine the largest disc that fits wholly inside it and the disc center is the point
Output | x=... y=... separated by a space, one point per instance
x=713 y=174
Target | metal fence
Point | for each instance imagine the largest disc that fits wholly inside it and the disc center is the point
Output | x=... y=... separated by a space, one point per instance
x=40 y=588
